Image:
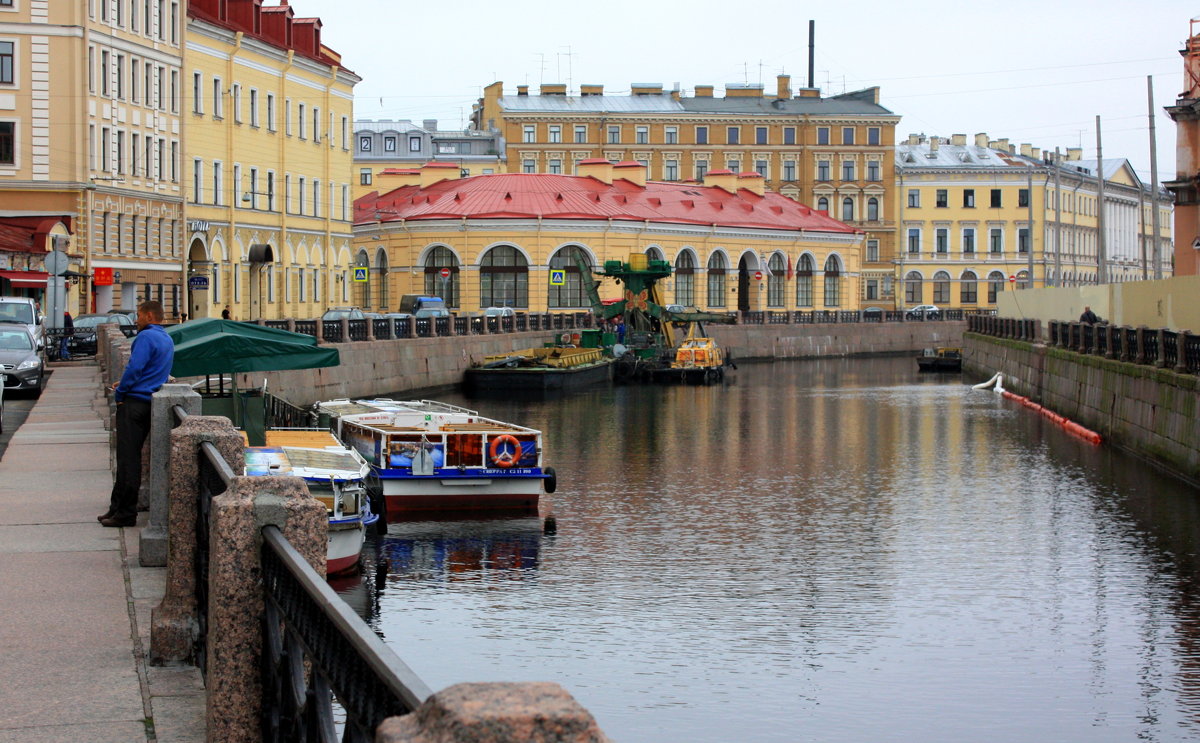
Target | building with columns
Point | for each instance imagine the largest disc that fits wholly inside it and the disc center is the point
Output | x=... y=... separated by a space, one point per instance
x=733 y=245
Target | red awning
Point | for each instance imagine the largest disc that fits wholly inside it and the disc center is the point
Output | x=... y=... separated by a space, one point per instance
x=25 y=279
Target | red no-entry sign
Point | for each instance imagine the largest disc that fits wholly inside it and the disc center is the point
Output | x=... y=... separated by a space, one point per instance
x=758 y=275
x=1012 y=279
x=445 y=273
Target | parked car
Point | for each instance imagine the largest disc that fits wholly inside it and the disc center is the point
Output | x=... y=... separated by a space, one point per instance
x=499 y=312
x=343 y=313
x=83 y=342
x=872 y=314
x=431 y=312
x=21 y=364
x=924 y=311
x=372 y=316
x=414 y=303
x=24 y=311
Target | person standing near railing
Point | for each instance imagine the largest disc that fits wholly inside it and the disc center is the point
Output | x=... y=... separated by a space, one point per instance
x=64 y=350
x=148 y=369
x=1089 y=317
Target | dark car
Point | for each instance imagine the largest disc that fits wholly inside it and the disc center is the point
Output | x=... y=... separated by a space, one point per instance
x=21 y=365
x=83 y=342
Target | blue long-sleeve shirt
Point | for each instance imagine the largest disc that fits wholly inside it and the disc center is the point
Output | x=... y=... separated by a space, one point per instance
x=149 y=364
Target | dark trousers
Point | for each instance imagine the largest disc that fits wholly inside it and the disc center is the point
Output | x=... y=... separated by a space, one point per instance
x=133 y=426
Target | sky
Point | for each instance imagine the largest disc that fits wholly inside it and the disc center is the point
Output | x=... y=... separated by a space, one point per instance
x=1036 y=72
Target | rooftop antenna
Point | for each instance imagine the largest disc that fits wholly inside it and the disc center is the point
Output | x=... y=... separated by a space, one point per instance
x=760 y=71
x=569 y=54
x=541 y=69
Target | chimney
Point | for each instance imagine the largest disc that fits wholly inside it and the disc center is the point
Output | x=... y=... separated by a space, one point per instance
x=783 y=86
x=1037 y=153
x=595 y=167
x=934 y=143
x=1026 y=149
x=958 y=140
x=432 y=173
x=554 y=89
x=522 y=90
x=591 y=90
x=725 y=179
x=913 y=139
x=743 y=90
x=392 y=178
x=630 y=170
x=646 y=88
x=808 y=93
x=752 y=182
x=704 y=91
x=1074 y=153
x=981 y=139
x=429 y=125
x=999 y=144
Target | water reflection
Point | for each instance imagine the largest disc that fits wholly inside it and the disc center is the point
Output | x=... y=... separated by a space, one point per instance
x=835 y=550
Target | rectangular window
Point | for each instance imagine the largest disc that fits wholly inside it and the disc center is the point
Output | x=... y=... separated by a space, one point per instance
x=105 y=148
x=996 y=240
x=671 y=170
x=942 y=198
x=823 y=170
x=364 y=177
x=969 y=198
x=235 y=100
x=942 y=238
x=671 y=135
x=872 y=135
x=914 y=240
x=873 y=171
x=216 y=98
x=580 y=134
x=732 y=134
x=847 y=170
x=104 y=81
x=847 y=135
x=641 y=135
x=414 y=144
x=1023 y=240
x=217 y=185
x=555 y=132
x=528 y=166
x=174 y=161
x=789 y=135
x=701 y=169
x=529 y=134
x=302 y=121
x=120 y=153
x=120 y=75
x=345 y=133
x=149 y=87
x=254 y=107
x=270 y=112
x=197 y=180
x=760 y=135
x=149 y=157
x=872 y=289
x=914 y=198
x=135 y=71
x=316 y=187
x=614 y=135
x=872 y=251
x=174 y=91
x=1023 y=197
x=760 y=167
x=316 y=128
x=822 y=135
x=733 y=166
x=996 y=198
x=789 y=170
x=968 y=241
x=702 y=135
x=197 y=93
x=135 y=154
x=302 y=185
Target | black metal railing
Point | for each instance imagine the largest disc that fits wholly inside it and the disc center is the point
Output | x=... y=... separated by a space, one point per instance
x=315 y=649
x=283 y=414
x=1167 y=349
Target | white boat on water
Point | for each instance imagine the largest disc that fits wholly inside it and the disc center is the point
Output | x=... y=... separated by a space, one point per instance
x=335 y=475
x=431 y=456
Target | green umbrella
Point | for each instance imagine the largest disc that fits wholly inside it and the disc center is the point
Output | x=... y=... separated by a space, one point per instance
x=227 y=347
x=212 y=326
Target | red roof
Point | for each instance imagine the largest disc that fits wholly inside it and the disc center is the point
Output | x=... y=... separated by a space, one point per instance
x=526 y=195
x=28 y=234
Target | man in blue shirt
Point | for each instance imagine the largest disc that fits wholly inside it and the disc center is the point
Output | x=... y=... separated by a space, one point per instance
x=149 y=367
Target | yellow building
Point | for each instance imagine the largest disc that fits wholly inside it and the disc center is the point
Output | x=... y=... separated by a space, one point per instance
x=833 y=153
x=269 y=158
x=90 y=134
x=977 y=218
x=492 y=240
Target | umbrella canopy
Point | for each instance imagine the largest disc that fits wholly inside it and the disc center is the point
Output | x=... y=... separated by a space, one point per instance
x=227 y=347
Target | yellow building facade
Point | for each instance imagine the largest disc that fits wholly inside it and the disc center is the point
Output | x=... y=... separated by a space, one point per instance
x=90 y=132
x=981 y=218
x=834 y=153
x=494 y=240
x=269 y=159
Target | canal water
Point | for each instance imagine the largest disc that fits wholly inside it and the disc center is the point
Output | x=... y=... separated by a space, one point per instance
x=839 y=550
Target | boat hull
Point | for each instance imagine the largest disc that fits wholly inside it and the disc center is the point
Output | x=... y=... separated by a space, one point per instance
x=344 y=546
x=480 y=379
x=938 y=364
x=406 y=494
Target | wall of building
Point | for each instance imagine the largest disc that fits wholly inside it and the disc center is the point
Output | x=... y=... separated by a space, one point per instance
x=1150 y=411
x=1169 y=303
x=385 y=366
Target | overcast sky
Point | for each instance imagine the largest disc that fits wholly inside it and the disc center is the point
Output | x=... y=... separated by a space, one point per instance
x=1036 y=72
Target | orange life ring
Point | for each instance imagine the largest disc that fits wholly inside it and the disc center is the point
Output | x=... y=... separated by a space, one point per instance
x=508 y=458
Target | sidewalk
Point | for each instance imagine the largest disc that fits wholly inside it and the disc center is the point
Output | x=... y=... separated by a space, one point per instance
x=76 y=626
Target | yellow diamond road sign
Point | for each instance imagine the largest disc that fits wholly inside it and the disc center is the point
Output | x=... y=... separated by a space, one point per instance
x=558 y=278
x=360 y=273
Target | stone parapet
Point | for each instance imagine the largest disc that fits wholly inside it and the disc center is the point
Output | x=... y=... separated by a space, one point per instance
x=152 y=545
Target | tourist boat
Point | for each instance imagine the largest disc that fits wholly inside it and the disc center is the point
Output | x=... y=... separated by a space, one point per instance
x=697 y=359
x=551 y=367
x=431 y=456
x=940 y=360
x=336 y=476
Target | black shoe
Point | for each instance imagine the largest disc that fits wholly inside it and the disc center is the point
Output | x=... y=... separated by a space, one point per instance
x=106 y=515
x=119 y=521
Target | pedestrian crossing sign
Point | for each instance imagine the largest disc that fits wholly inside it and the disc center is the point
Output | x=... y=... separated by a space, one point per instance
x=558 y=277
x=360 y=273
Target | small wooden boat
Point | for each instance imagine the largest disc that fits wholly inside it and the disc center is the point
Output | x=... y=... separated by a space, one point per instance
x=940 y=360
x=547 y=368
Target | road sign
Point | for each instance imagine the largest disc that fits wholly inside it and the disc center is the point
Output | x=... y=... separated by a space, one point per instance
x=198 y=283
x=758 y=275
x=1012 y=279
x=56 y=262
x=444 y=273
x=558 y=277
x=361 y=273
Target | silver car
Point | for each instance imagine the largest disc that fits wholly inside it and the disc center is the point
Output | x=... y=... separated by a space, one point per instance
x=21 y=365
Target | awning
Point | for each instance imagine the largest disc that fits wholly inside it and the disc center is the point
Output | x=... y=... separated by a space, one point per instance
x=25 y=279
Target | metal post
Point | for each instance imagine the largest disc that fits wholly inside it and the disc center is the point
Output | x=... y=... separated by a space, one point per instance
x=1101 y=247
x=1057 y=221
x=1155 y=257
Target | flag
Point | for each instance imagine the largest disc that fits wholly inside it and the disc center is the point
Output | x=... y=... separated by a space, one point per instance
x=789 y=270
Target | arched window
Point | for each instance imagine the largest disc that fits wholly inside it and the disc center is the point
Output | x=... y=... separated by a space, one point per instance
x=569 y=294
x=847 y=209
x=776 y=271
x=969 y=291
x=914 y=288
x=362 y=289
x=685 y=278
x=380 y=271
x=717 y=268
x=654 y=254
x=823 y=204
x=833 y=282
x=435 y=286
x=941 y=288
x=504 y=278
x=804 y=281
x=872 y=209
x=995 y=285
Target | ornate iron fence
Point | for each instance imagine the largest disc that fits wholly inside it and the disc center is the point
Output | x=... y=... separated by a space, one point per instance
x=1167 y=349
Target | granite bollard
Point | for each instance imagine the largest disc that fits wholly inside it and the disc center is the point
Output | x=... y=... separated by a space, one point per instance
x=538 y=712
x=152 y=541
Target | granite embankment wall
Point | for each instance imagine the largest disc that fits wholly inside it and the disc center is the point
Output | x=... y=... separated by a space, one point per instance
x=413 y=364
x=1147 y=410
